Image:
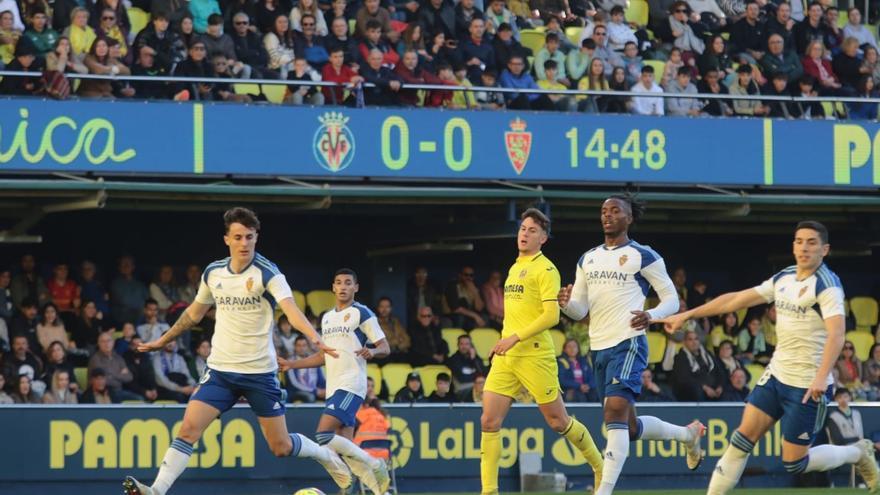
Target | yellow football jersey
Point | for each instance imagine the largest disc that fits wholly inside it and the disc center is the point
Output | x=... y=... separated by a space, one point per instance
x=531 y=281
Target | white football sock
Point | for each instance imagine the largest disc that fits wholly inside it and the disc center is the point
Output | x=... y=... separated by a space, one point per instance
x=308 y=448
x=346 y=447
x=616 y=452
x=656 y=429
x=828 y=457
x=175 y=461
x=731 y=465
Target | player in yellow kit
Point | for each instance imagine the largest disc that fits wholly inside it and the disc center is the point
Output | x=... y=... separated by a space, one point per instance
x=525 y=355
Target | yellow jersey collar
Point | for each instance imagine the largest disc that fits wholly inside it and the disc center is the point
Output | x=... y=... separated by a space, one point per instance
x=529 y=258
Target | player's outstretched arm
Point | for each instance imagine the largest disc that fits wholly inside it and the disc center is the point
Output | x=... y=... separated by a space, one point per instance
x=381 y=350
x=725 y=303
x=299 y=321
x=836 y=328
x=190 y=317
x=313 y=361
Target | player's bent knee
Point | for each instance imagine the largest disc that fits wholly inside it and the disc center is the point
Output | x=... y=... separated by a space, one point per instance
x=490 y=422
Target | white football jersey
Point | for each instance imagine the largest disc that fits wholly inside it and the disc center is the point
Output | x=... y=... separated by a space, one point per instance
x=348 y=331
x=610 y=283
x=245 y=301
x=801 y=308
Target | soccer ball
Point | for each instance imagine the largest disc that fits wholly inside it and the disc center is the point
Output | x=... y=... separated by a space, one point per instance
x=309 y=491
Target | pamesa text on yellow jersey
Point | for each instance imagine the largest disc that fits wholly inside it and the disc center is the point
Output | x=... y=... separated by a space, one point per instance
x=531 y=281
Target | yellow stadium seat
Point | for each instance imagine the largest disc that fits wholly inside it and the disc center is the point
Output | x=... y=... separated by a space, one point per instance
x=320 y=301
x=300 y=299
x=275 y=93
x=394 y=375
x=117 y=335
x=450 y=335
x=637 y=12
x=166 y=402
x=133 y=402
x=828 y=108
x=862 y=341
x=138 y=19
x=656 y=347
x=865 y=312
x=375 y=372
x=574 y=35
x=352 y=23
x=659 y=66
x=533 y=39
x=484 y=340
x=741 y=315
x=558 y=340
x=246 y=89
x=755 y=370
x=429 y=376
x=82 y=377
x=726 y=36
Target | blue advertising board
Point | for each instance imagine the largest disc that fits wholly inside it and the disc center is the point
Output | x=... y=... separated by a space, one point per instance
x=185 y=138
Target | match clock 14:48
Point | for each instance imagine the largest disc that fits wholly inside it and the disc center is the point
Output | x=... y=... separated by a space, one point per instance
x=635 y=149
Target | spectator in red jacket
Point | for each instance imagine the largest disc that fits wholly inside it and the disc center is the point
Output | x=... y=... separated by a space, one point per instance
x=816 y=65
x=64 y=291
x=337 y=71
x=410 y=73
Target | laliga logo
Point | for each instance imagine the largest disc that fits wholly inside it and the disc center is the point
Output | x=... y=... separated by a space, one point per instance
x=401 y=441
x=334 y=142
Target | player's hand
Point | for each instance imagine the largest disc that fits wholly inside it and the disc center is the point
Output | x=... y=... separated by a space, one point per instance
x=504 y=345
x=564 y=296
x=150 y=346
x=365 y=353
x=327 y=350
x=284 y=365
x=816 y=391
x=640 y=320
x=672 y=323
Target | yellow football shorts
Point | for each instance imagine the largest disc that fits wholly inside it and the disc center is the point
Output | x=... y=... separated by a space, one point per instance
x=539 y=376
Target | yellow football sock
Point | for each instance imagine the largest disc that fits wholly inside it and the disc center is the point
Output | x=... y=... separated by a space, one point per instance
x=577 y=434
x=490 y=454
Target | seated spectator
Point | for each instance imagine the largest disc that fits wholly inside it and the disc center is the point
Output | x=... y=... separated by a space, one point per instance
x=199 y=364
x=845 y=423
x=40 y=34
x=338 y=9
x=465 y=12
x=412 y=392
x=6 y=304
x=172 y=374
x=428 y=346
x=284 y=337
x=783 y=25
x=145 y=65
x=81 y=35
x=690 y=44
x=578 y=61
x=458 y=77
x=727 y=329
x=619 y=32
x=726 y=357
x=115 y=370
x=201 y=10
x=266 y=13
x=477 y=52
x=57 y=360
x=849 y=366
x=190 y=288
x=304 y=94
x=871 y=381
x=88 y=326
x=109 y=28
x=387 y=83
x=28 y=283
x=340 y=39
x=127 y=294
x=632 y=63
x=779 y=87
x=372 y=40
x=751 y=345
x=123 y=343
x=395 y=333
x=670 y=68
x=305 y=384
x=561 y=102
x=441 y=51
x=340 y=73
x=304 y=8
x=747 y=35
x=473 y=394
x=410 y=72
x=462 y=296
x=744 y=85
x=437 y=16
x=496 y=15
x=505 y=45
x=682 y=85
x=311 y=44
x=143 y=381
x=551 y=51
x=22 y=393
x=26 y=60
x=575 y=374
x=465 y=365
x=594 y=80
x=871 y=63
x=651 y=392
x=279 y=44
x=489 y=100
x=63 y=290
x=249 y=50
x=169 y=48
x=646 y=105
x=372 y=11
x=812 y=28
x=855 y=29
x=60 y=391
x=98 y=392
x=716 y=58
x=15 y=11
x=863 y=111
x=817 y=65
x=833 y=37
x=25 y=324
x=696 y=376
x=737 y=389
x=51 y=328
x=442 y=394
x=216 y=41
x=420 y=293
x=4 y=397
x=493 y=296
x=234 y=7
x=151 y=328
x=873 y=358
x=777 y=59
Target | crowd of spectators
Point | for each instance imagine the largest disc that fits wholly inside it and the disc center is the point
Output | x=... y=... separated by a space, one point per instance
x=50 y=327
x=735 y=47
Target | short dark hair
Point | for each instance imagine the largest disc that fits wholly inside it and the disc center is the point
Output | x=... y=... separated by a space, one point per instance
x=215 y=20
x=490 y=73
x=807 y=79
x=550 y=64
x=243 y=216
x=617 y=9
x=814 y=225
x=589 y=43
x=637 y=207
x=299 y=337
x=782 y=76
x=385 y=298
x=346 y=271
x=373 y=24
x=648 y=69
x=159 y=14
x=744 y=69
x=551 y=37
x=504 y=26
x=538 y=217
x=444 y=377
x=683 y=71
x=150 y=301
x=29 y=302
x=462 y=336
x=841 y=391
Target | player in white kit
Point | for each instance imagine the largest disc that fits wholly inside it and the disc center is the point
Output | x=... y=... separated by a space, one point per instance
x=348 y=328
x=797 y=383
x=245 y=287
x=611 y=283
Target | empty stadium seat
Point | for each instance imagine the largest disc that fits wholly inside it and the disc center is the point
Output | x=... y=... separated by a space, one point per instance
x=275 y=93
x=558 y=340
x=862 y=341
x=533 y=39
x=429 y=376
x=300 y=299
x=394 y=375
x=82 y=377
x=574 y=35
x=659 y=66
x=656 y=347
x=375 y=372
x=320 y=301
x=138 y=19
x=450 y=335
x=755 y=370
x=864 y=311
x=246 y=89
x=352 y=23
x=741 y=315
x=484 y=340
x=637 y=12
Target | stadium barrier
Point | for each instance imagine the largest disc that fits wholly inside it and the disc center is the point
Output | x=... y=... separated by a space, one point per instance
x=95 y=443
x=126 y=137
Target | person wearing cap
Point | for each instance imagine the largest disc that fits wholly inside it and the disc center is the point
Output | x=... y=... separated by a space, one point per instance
x=98 y=391
x=506 y=45
x=26 y=60
x=844 y=424
x=412 y=392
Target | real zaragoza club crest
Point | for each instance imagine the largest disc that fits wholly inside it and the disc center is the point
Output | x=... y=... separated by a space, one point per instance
x=334 y=142
x=519 y=144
